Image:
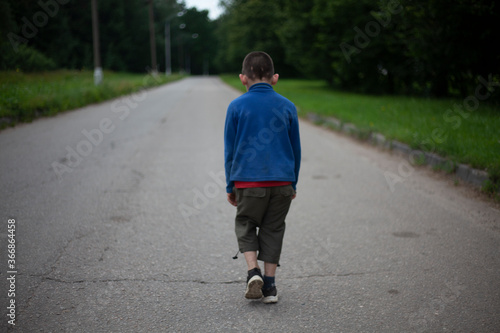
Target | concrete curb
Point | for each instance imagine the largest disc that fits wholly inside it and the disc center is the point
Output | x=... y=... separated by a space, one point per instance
x=463 y=172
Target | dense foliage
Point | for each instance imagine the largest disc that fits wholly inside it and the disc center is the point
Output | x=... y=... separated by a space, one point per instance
x=415 y=47
x=424 y=47
x=40 y=35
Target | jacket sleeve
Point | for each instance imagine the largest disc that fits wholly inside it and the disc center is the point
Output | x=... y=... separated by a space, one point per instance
x=295 y=141
x=229 y=140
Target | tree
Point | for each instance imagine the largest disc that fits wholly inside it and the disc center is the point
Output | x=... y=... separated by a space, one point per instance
x=450 y=42
x=251 y=25
x=299 y=34
x=194 y=41
x=62 y=36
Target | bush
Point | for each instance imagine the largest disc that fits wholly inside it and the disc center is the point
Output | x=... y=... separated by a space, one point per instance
x=26 y=59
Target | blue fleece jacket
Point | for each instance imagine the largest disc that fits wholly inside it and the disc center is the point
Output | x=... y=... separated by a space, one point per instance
x=261 y=138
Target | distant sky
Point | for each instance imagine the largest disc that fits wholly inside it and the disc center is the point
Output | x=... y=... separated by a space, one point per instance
x=211 y=5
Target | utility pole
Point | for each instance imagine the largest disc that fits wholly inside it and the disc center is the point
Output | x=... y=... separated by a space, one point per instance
x=97 y=53
x=168 y=43
x=168 y=55
x=152 y=40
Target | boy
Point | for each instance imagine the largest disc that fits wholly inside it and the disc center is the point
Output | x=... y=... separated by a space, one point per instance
x=262 y=162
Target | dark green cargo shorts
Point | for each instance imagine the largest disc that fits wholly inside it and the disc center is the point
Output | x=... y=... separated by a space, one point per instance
x=264 y=208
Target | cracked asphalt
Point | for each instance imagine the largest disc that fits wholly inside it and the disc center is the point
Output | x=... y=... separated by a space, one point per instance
x=122 y=225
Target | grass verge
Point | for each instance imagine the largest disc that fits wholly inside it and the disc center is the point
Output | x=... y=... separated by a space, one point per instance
x=24 y=97
x=432 y=125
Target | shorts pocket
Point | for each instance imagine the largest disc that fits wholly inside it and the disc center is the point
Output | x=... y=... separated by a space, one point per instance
x=256 y=192
x=287 y=191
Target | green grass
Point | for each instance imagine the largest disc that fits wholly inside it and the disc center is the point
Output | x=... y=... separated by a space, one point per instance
x=24 y=97
x=427 y=124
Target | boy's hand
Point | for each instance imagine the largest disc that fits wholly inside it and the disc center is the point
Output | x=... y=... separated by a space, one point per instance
x=231 y=198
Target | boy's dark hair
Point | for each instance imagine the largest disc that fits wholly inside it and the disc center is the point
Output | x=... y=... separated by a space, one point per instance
x=258 y=65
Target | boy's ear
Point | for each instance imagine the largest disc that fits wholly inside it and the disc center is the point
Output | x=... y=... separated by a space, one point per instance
x=244 y=79
x=275 y=78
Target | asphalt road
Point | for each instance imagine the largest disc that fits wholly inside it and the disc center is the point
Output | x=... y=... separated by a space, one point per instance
x=122 y=225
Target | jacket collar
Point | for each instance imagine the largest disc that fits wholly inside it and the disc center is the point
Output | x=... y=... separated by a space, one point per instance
x=261 y=86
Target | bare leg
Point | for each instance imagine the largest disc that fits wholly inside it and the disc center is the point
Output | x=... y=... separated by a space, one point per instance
x=251 y=258
x=269 y=269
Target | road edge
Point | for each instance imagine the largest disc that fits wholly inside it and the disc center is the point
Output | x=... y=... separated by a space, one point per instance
x=475 y=177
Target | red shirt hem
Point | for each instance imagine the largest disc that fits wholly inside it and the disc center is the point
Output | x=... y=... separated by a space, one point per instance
x=239 y=184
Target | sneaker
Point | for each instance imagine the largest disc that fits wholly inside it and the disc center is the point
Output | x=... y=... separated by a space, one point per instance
x=254 y=284
x=270 y=295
